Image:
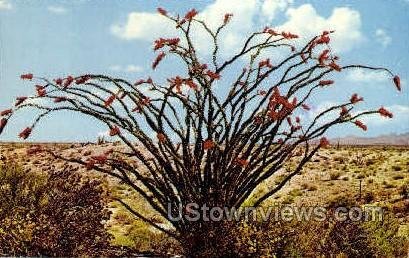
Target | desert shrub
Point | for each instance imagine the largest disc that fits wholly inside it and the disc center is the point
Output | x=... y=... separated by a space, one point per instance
x=369 y=197
x=404 y=191
x=388 y=185
x=398 y=177
x=295 y=192
x=309 y=187
x=396 y=168
x=340 y=201
x=329 y=238
x=345 y=178
x=334 y=175
x=56 y=214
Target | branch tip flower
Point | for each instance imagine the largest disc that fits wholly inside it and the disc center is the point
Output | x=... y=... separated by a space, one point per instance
x=361 y=125
x=114 y=131
x=161 y=137
x=6 y=112
x=3 y=123
x=396 y=81
x=25 y=133
x=355 y=99
x=162 y=11
x=28 y=76
x=385 y=112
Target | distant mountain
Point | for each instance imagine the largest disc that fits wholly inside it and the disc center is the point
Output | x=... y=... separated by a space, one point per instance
x=390 y=139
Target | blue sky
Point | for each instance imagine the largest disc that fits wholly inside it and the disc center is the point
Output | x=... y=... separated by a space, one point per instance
x=58 y=38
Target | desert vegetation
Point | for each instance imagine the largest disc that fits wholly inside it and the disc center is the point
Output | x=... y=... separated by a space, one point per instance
x=248 y=147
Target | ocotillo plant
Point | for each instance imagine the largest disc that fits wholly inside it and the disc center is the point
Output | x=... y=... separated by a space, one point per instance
x=210 y=149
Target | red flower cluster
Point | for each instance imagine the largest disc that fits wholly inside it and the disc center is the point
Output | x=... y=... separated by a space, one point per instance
x=288 y=35
x=324 y=38
x=3 y=123
x=161 y=137
x=191 y=14
x=161 y=42
x=157 y=60
x=208 y=144
x=227 y=18
x=41 y=92
x=25 y=133
x=6 y=112
x=265 y=63
x=109 y=100
x=334 y=66
x=58 y=81
x=28 y=76
x=20 y=100
x=361 y=125
x=82 y=79
x=162 y=11
x=191 y=84
x=323 y=57
x=139 y=82
x=177 y=83
x=276 y=100
x=270 y=31
x=355 y=99
x=324 y=142
x=396 y=80
x=213 y=75
x=385 y=112
x=68 y=81
x=325 y=82
x=344 y=111
x=114 y=131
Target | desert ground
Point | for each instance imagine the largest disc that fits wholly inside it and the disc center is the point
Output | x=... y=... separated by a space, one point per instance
x=374 y=175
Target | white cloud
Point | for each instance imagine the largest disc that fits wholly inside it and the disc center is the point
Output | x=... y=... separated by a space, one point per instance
x=305 y=21
x=129 y=68
x=57 y=9
x=400 y=116
x=361 y=75
x=271 y=7
x=143 y=26
x=249 y=15
x=382 y=37
x=115 y=68
x=134 y=68
x=5 y=5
